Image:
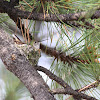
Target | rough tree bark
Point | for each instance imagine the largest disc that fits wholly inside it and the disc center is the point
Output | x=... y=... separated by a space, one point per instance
x=20 y=66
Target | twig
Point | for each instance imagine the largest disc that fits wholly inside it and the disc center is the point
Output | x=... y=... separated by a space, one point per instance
x=58 y=55
x=63 y=91
x=92 y=85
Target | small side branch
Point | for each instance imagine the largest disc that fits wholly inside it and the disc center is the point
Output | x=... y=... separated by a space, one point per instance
x=87 y=87
x=58 y=55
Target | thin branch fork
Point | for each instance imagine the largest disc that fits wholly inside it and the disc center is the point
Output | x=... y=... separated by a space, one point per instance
x=67 y=88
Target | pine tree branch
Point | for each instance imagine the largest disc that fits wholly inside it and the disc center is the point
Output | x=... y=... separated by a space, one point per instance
x=67 y=88
x=87 y=25
x=20 y=66
x=53 y=52
x=35 y=16
x=58 y=54
x=5 y=8
x=50 y=51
